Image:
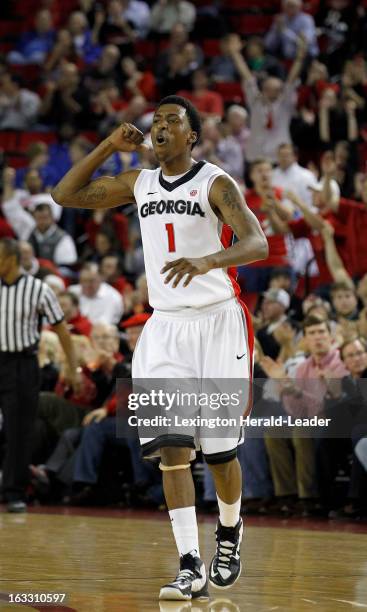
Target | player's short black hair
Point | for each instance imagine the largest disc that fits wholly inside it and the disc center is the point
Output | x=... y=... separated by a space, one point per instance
x=192 y=113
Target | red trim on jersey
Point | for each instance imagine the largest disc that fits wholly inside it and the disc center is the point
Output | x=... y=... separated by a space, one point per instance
x=226 y=239
x=250 y=348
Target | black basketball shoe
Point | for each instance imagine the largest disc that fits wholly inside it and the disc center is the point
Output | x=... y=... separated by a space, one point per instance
x=225 y=567
x=191 y=581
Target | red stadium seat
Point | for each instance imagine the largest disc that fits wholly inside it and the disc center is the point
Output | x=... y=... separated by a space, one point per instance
x=163 y=44
x=362 y=153
x=146 y=49
x=29 y=73
x=5 y=47
x=27 y=138
x=9 y=141
x=91 y=136
x=311 y=6
x=272 y=5
x=11 y=29
x=27 y=8
x=231 y=91
x=211 y=47
x=252 y=24
x=16 y=161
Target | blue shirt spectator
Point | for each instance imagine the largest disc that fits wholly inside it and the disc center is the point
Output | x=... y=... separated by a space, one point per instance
x=137 y=13
x=34 y=46
x=82 y=38
x=288 y=26
x=222 y=66
x=49 y=176
x=59 y=153
x=39 y=160
x=116 y=164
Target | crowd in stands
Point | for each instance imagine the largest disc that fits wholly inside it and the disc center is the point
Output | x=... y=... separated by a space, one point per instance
x=281 y=88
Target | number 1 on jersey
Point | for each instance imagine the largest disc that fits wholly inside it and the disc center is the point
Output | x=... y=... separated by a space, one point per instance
x=171 y=238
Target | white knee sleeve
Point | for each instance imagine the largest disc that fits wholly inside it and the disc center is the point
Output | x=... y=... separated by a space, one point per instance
x=169 y=468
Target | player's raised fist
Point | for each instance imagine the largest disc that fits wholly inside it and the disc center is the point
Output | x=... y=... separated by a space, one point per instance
x=127 y=138
x=9 y=176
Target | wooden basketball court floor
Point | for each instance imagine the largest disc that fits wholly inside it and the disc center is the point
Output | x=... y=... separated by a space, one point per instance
x=116 y=561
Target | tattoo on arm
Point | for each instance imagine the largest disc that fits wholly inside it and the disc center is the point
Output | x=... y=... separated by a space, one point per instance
x=93 y=194
x=231 y=200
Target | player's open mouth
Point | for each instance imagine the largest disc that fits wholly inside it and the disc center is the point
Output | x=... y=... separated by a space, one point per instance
x=161 y=139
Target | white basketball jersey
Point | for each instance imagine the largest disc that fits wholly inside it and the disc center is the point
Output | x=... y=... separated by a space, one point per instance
x=176 y=220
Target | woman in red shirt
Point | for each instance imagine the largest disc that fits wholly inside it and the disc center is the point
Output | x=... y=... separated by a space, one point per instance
x=138 y=82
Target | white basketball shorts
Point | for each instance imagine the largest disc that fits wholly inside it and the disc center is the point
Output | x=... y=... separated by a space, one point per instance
x=213 y=343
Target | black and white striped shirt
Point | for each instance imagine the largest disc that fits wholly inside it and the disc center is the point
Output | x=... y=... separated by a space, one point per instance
x=22 y=306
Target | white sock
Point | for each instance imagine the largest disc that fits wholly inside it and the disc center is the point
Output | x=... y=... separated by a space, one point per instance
x=185 y=529
x=229 y=514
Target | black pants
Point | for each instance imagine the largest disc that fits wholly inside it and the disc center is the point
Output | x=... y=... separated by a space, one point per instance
x=61 y=462
x=19 y=386
x=55 y=414
x=331 y=455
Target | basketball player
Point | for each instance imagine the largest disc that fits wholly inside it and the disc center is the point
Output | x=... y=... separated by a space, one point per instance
x=199 y=329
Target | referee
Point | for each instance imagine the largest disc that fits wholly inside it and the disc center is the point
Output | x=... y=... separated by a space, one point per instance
x=24 y=301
